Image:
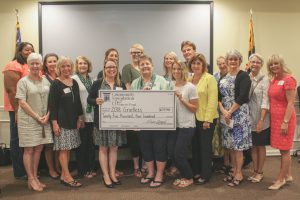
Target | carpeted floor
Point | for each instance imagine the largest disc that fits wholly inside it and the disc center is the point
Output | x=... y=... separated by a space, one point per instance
x=131 y=188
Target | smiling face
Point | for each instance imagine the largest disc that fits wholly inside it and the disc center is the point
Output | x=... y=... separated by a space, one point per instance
x=177 y=72
x=275 y=68
x=82 y=66
x=255 y=65
x=135 y=54
x=222 y=65
x=113 y=55
x=168 y=62
x=35 y=66
x=146 y=67
x=51 y=64
x=188 y=52
x=26 y=51
x=66 y=69
x=233 y=62
x=110 y=69
x=197 y=67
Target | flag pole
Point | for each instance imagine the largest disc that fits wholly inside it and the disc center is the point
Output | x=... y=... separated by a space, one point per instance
x=17 y=14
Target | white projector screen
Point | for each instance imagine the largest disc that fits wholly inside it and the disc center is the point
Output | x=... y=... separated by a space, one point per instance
x=90 y=28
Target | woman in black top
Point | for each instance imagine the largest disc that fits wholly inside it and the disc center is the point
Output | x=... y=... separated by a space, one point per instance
x=235 y=120
x=107 y=140
x=66 y=116
x=51 y=158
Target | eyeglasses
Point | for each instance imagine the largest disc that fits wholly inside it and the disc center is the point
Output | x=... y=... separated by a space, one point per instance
x=135 y=53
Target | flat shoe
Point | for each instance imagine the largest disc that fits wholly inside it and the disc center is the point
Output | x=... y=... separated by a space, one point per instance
x=184 y=183
x=176 y=182
x=157 y=184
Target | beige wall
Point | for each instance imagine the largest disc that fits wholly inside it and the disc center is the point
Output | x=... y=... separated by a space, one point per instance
x=276 y=28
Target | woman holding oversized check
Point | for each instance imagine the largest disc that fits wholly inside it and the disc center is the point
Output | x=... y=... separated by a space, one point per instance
x=153 y=144
x=107 y=140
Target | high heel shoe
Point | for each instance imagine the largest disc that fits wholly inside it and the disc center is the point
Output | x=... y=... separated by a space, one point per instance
x=33 y=185
x=277 y=185
x=107 y=185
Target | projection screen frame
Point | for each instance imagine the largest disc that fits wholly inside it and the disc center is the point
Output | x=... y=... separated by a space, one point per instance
x=210 y=3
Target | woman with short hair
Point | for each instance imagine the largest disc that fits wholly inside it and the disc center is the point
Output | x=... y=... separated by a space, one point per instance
x=235 y=118
x=130 y=72
x=259 y=116
x=85 y=153
x=206 y=118
x=153 y=143
x=34 y=129
x=66 y=116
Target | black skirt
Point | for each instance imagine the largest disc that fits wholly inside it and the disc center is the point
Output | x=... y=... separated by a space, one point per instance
x=262 y=138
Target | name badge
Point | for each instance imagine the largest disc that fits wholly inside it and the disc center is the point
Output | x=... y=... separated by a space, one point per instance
x=67 y=90
x=281 y=82
x=119 y=88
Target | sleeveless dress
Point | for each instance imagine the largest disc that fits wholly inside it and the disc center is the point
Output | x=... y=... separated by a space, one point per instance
x=239 y=137
x=278 y=104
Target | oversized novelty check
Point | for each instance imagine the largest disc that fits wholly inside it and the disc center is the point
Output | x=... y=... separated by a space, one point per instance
x=137 y=110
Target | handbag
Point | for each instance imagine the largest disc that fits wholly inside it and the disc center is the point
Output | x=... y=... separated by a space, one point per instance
x=4 y=155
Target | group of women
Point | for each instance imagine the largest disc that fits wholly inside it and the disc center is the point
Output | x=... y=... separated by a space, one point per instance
x=56 y=105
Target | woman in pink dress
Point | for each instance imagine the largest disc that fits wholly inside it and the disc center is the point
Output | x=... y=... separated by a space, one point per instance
x=282 y=92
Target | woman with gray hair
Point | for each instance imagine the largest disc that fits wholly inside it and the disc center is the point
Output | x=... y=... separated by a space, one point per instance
x=259 y=116
x=66 y=115
x=235 y=120
x=34 y=129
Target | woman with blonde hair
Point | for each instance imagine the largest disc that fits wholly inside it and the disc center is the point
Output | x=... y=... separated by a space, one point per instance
x=85 y=153
x=130 y=72
x=259 y=116
x=66 y=116
x=282 y=92
x=169 y=59
x=186 y=106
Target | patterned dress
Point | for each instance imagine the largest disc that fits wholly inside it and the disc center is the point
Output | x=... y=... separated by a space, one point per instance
x=238 y=137
x=278 y=104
